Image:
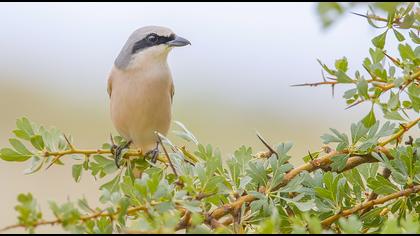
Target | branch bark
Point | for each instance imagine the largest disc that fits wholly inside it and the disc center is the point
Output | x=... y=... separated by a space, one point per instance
x=327 y=222
x=372 y=196
x=83 y=218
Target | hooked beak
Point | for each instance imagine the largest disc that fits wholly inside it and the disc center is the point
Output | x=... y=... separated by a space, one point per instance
x=178 y=42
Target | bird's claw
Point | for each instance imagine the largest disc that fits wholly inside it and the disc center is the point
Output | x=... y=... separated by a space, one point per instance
x=117 y=151
x=153 y=153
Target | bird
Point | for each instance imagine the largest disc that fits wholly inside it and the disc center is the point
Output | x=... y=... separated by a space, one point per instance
x=141 y=89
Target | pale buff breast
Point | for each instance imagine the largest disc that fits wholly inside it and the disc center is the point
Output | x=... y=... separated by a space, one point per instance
x=141 y=104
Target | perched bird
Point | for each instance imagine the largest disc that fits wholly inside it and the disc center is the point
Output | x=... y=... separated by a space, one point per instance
x=141 y=89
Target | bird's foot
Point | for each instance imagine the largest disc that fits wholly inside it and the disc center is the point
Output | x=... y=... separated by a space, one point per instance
x=117 y=151
x=153 y=153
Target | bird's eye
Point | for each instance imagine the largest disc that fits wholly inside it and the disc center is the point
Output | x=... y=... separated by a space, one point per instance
x=152 y=38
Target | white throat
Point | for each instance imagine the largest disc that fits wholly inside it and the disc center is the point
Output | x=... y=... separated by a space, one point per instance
x=149 y=58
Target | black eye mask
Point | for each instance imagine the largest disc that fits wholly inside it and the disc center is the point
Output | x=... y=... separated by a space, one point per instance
x=150 y=41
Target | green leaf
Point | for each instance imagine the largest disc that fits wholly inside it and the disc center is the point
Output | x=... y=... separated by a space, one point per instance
x=277 y=170
x=341 y=64
x=339 y=162
x=362 y=87
x=394 y=101
x=407 y=21
x=396 y=206
x=258 y=205
x=351 y=225
x=284 y=148
x=328 y=138
x=343 y=78
x=413 y=92
x=369 y=119
x=325 y=67
x=25 y=125
x=9 y=154
x=390 y=7
x=112 y=185
x=379 y=41
x=257 y=172
x=380 y=185
x=102 y=166
x=84 y=205
x=393 y=115
x=35 y=166
x=406 y=52
x=323 y=193
x=212 y=184
x=67 y=213
x=387 y=129
x=38 y=142
x=328 y=11
x=244 y=182
x=77 y=171
x=328 y=179
x=377 y=55
x=358 y=131
x=27 y=208
x=414 y=37
x=185 y=133
x=301 y=205
x=398 y=35
x=358 y=178
x=350 y=93
x=340 y=138
x=406 y=104
x=122 y=213
x=238 y=163
x=294 y=185
x=22 y=134
x=18 y=146
x=192 y=205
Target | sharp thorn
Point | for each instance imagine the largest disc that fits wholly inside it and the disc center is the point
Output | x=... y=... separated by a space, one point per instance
x=267 y=145
x=358 y=14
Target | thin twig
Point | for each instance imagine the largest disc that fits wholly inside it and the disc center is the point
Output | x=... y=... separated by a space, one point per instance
x=88 y=152
x=327 y=222
x=315 y=84
x=83 y=218
x=167 y=155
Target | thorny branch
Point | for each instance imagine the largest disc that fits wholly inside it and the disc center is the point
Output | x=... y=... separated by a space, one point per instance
x=231 y=207
x=314 y=165
x=213 y=217
x=83 y=218
x=327 y=222
x=377 y=82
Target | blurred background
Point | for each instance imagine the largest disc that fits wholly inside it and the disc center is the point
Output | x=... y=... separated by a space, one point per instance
x=233 y=81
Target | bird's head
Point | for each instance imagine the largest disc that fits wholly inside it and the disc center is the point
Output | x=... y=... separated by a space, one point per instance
x=148 y=44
